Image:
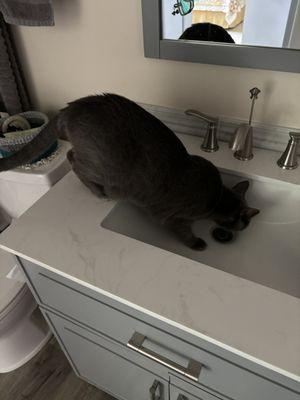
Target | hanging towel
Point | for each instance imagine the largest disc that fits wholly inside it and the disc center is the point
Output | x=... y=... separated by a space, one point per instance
x=27 y=12
x=13 y=94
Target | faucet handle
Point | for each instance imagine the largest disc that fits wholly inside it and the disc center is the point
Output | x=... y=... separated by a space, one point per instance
x=288 y=160
x=210 y=142
x=204 y=117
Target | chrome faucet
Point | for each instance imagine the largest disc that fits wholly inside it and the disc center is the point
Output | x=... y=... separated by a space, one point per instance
x=210 y=142
x=242 y=141
x=288 y=160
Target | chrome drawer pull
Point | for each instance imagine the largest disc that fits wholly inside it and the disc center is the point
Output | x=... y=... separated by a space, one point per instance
x=192 y=371
x=156 y=387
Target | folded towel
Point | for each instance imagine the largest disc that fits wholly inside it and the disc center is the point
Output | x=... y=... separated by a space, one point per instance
x=27 y=12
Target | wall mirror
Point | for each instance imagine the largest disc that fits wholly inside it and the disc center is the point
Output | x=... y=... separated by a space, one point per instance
x=261 y=34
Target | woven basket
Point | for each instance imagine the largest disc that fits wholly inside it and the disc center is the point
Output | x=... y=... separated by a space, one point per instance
x=10 y=145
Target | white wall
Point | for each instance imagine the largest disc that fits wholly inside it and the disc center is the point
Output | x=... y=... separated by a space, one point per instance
x=265 y=22
x=92 y=50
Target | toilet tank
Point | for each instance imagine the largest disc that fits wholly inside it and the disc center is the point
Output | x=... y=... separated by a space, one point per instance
x=20 y=188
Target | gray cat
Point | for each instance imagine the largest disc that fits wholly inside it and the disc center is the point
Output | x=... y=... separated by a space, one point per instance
x=123 y=152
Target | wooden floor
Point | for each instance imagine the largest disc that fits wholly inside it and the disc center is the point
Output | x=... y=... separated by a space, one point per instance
x=48 y=376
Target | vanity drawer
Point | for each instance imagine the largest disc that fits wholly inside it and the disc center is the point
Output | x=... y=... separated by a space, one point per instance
x=87 y=307
x=105 y=364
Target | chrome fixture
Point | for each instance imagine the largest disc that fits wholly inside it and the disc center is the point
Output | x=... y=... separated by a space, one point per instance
x=242 y=141
x=210 y=142
x=288 y=160
x=192 y=371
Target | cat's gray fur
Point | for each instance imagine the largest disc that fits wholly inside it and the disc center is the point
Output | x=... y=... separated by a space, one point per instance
x=123 y=152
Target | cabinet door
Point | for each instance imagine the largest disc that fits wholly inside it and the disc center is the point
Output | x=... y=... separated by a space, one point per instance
x=97 y=360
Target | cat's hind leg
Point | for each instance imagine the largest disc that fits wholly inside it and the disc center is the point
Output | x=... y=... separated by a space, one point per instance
x=94 y=187
x=183 y=231
x=71 y=156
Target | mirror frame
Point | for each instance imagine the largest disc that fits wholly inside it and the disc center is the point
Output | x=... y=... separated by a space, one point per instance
x=270 y=58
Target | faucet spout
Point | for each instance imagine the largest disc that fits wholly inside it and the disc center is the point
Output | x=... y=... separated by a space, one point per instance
x=239 y=138
x=242 y=143
x=242 y=140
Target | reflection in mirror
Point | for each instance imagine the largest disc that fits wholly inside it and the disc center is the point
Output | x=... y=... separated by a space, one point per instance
x=271 y=23
x=183 y=7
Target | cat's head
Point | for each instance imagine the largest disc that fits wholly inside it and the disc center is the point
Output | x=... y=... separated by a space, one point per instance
x=233 y=212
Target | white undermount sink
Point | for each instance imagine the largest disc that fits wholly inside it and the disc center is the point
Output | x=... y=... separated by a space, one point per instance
x=267 y=252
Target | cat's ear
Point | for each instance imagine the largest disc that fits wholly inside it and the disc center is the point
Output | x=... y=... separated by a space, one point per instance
x=241 y=188
x=251 y=212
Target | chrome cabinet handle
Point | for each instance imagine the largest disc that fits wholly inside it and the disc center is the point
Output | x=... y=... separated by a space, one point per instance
x=182 y=397
x=192 y=371
x=156 y=388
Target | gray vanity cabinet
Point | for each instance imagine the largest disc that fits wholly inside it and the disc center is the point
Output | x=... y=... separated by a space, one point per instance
x=133 y=355
x=104 y=364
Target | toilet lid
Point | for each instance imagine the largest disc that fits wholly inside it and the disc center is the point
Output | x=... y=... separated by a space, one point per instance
x=9 y=288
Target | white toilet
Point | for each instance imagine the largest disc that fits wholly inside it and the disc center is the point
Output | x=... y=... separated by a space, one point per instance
x=23 y=331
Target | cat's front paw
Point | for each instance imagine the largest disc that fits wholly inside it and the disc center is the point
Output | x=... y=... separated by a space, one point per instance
x=199 y=244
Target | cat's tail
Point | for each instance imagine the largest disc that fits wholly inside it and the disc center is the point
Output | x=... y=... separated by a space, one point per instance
x=34 y=148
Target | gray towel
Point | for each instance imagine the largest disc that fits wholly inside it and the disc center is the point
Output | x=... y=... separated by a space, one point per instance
x=27 y=12
x=13 y=93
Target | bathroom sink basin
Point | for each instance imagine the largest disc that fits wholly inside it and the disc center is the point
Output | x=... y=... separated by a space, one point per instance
x=267 y=252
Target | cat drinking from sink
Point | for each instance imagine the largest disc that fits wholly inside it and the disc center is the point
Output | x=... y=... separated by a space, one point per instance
x=121 y=151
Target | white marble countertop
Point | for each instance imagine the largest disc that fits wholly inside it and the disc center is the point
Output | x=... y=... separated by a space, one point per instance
x=62 y=232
